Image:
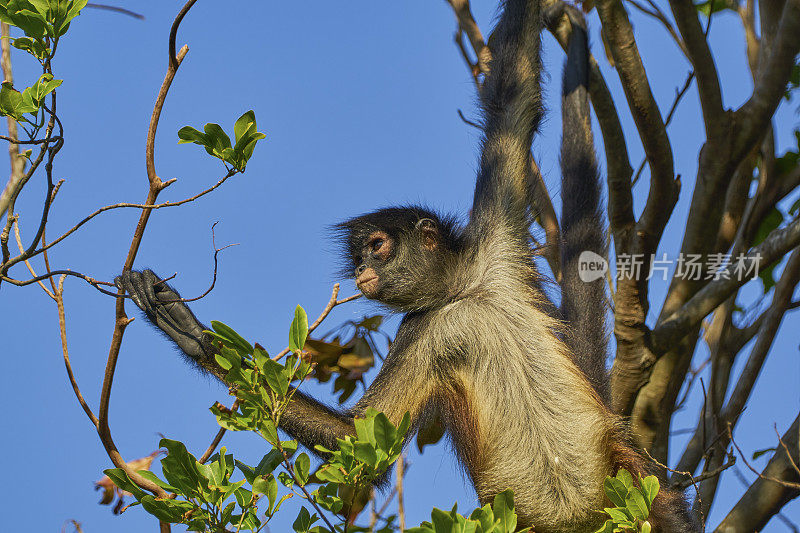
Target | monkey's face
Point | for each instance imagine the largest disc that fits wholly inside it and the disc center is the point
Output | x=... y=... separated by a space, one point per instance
x=376 y=252
x=397 y=255
x=395 y=265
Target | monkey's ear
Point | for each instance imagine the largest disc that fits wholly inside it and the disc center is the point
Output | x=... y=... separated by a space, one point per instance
x=429 y=232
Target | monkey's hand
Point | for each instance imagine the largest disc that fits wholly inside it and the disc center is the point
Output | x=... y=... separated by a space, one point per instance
x=161 y=303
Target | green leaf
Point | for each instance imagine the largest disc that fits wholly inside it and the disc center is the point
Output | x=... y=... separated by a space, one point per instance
x=442 y=521
x=276 y=378
x=365 y=452
x=243 y=124
x=615 y=490
x=385 y=433
x=188 y=134
x=164 y=510
x=267 y=485
x=35 y=47
x=636 y=504
x=646 y=527
x=223 y=362
x=74 y=11
x=626 y=478
x=650 y=488
x=121 y=480
x=243 y=496
x=32 y=23
x=771 y=222
x=246 y=135
x=759 y=453
x=269 y=432
x=269 y=463
x=299 y=330
x=365 y=426
x=607 y=527
x=219 y=140
x=301 y=467
x=618 y=514
x=303 y=521
x=236 y=340
x=180 y=468
x=503 y=508
x=708 y=7
x=147 y=474
x=767 y=277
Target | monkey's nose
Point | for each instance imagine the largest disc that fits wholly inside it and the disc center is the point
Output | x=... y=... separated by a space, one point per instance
x=360 y=269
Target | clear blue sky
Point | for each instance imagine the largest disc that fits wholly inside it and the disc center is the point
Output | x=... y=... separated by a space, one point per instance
x=358 y=100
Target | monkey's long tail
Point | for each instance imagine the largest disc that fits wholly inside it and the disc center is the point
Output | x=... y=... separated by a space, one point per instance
x=583 y=304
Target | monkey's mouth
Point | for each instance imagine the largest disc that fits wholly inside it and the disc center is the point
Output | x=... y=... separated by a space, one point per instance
x=367 y=283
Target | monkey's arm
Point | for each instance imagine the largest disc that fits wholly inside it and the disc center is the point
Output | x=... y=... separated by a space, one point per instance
x=398 y=388
x=511 y=103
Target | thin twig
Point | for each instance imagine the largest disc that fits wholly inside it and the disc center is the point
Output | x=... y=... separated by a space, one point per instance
x=681 y=485
x=678 y=97
x=13 y=139
x=88 y=279
x=217 y=438
x=691 y=480
x=659 y=15
x=62 y=328
x=175 y=59
x=467 y=121
x=333 y=302
x=788 y=453
x=401 y=511
x=693 y=376
x=18 y=237
x=116 y=10
x=137 y=206
x=214 y=278
x=787 y=484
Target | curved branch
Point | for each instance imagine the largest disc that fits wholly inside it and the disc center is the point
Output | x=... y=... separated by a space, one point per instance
x=685 y=13
x=122 y=321
x=618 y=33
x=771 y=79
x=767 y=495
x=679 y=323
x=149 y=207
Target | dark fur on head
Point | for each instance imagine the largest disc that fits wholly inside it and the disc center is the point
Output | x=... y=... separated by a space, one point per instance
x=423 y=245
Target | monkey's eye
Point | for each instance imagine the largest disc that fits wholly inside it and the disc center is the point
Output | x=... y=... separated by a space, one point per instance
x=376 y=245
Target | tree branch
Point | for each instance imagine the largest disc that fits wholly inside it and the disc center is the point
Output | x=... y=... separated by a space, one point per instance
x=122 y=321
x=709 y=297
x=768 y=494
x=618 y=33
x=771 y=79
x=685 y=13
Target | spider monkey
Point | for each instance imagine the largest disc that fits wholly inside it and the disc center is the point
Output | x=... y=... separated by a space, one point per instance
x=520 y=392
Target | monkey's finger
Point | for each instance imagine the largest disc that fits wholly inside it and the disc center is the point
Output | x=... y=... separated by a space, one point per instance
x=137 y=287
